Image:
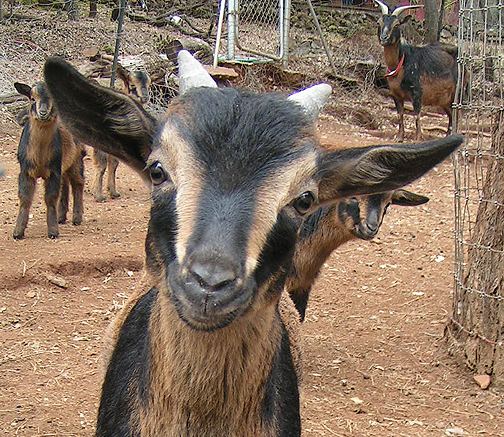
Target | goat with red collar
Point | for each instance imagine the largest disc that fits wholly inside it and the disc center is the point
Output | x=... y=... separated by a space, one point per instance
x=425 y=75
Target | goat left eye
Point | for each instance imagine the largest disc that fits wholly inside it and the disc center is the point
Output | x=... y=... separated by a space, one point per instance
x=304 y=202
x=157 y=173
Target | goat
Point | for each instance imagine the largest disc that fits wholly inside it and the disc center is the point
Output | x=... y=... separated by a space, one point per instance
x=136 y=84
x=47 y=150
x=424 y=75
x=209 y=348
x=332 y=226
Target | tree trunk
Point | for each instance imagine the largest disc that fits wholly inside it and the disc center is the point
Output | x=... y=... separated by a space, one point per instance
x=93 y=8
x=431 y=21
x=476 y=329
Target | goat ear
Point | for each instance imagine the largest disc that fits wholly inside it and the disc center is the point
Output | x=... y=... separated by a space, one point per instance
x=23 y=89
x=405 y=18
x=407 y=198
x=377 y=169
x=100 y=117
x=123 y=74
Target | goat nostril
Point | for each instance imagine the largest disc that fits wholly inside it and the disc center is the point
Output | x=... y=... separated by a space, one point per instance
x=211 y=275
x=372 y=227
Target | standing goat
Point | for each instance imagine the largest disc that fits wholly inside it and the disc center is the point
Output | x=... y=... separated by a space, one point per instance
x=424 y=75
x=330 y=227
x=47 y=150
x=209 y=350
x=136 y=84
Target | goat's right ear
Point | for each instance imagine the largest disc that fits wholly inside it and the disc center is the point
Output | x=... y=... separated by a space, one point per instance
x=376 y=169
x=407 y=198
x=101 y=117
x=23 y=89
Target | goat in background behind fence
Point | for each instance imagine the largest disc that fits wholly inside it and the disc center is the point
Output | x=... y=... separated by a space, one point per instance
x=136 y=84
x=47 y=150
x=209 y=348
x=424 y=75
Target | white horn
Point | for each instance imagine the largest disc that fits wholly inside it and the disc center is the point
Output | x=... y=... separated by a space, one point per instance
x=384 y=8
x=191 y=73
x=401 y=9
x=312 y=99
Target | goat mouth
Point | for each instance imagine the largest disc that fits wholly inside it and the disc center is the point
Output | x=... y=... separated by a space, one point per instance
x=205 y=310
x=364 y=233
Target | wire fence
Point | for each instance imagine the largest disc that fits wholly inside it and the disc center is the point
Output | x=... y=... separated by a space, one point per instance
x=479 y=196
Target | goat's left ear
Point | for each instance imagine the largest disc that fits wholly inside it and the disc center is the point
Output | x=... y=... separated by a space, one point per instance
x=23 y=89
x=407 y=198
x=376 y=169
x=101 y=117
x=405 y=18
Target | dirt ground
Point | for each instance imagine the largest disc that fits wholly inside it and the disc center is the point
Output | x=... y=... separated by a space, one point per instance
x=374 y=358
x=375 y=361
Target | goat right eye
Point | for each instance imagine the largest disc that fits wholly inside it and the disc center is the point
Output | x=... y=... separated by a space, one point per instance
x=157 y=173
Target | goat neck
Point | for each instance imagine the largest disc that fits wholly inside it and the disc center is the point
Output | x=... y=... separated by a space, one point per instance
x=392 y=54
x=219 y=378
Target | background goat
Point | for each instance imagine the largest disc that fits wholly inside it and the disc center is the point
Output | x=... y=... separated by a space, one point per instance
x=47 y=150
x=332 y=226
x=136 y=84
x=425 y=75
x=208 y=349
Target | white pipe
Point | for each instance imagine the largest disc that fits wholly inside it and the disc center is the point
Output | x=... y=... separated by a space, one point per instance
x=222 y=8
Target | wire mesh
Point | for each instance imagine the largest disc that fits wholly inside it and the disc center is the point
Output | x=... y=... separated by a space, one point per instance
x=258 y=27
x=479 y=113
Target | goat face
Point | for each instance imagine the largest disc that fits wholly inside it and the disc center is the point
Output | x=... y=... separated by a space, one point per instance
x=41 y=108
x=139 y=85
x=230 y=172
x=389 y=32
x=363 y=216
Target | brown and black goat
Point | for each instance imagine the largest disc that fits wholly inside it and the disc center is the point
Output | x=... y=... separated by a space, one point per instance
x=329 y=227
x=47 y=150
x=136 y=84
x=424 y=75
x=209 y=348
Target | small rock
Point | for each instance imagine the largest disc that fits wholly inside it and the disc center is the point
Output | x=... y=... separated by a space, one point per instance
x=357 y=401
x=31 y=294
x=57 y=280
x=483 y=381
x=454 y=431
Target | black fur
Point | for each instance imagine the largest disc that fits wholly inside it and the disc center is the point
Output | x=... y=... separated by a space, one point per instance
x=127 y=373
x=281 y=398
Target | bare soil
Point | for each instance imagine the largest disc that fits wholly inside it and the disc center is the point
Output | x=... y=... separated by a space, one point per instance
x=375 y=361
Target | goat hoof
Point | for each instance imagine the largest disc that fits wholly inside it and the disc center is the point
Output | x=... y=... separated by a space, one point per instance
x=114 y=195
x=77 y=221
x=17 y=236
x=62 y=220
x=53 y=235
x=100 y=198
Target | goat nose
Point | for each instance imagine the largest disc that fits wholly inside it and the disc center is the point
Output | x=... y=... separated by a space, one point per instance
x=211 y=275
x=372 y=227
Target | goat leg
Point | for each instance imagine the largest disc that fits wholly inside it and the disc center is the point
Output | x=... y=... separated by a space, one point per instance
x=77 y=181
x=399 y=104
x=26 y=191
x=63 y=201
x=417 y=109
x=450 y=120
x=100 y=165
x=112 y=164
x=52 y=187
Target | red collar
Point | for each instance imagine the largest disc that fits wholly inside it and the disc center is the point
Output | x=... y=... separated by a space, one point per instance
x=394 y=73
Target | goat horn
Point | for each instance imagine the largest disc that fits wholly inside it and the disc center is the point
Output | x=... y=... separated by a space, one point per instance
x=312 y=99
x=191 y=73
x=384 y=8
x=401 y=9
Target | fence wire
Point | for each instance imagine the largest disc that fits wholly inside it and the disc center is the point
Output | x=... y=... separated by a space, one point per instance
x=479 y=112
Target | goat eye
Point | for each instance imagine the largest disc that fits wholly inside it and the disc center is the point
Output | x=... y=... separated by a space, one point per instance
x=157 y=173
x=304 y=202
